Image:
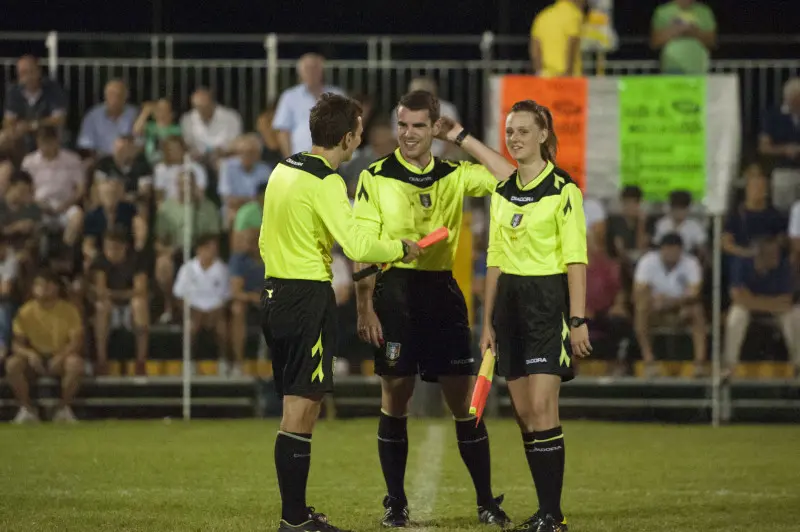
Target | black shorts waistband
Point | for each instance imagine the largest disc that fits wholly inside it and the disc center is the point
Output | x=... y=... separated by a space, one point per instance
x=295 y=282
x=534 y=278
x=419 y=274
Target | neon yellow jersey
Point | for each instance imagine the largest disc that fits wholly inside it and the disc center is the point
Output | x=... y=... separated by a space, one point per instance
x=306 y=209
x=537 y=229
x=395 y=199
x=553 y=27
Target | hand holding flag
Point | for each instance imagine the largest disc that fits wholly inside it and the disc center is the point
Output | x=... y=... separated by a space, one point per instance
x=482 y=386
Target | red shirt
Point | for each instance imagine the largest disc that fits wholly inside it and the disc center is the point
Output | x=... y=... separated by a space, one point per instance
x=602 y=283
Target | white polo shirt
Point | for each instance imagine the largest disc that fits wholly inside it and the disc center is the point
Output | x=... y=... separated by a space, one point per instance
x=206 y=290
x=692 y=233
x=651 y=271
x=794 y=221
x=219 y=132
x=593 y=212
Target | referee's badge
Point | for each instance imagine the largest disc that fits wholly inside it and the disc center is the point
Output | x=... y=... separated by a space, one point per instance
x=425 y=200
x=515 y=220
x=392 y=352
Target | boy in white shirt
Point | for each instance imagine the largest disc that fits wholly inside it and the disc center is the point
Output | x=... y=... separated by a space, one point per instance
x=678 y=221
x=205 y=282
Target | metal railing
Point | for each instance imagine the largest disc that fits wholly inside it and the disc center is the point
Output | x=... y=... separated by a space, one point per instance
x=247 y=72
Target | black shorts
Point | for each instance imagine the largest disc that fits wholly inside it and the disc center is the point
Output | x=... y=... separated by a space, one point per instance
x=530 y=322
x=299 y=324
x=425 y=325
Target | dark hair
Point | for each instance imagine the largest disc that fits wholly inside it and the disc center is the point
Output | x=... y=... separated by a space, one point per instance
x=21 y=176
x=671 y=239
x=206 y=239
x=126 y=138
x=177 y=139
x=47 y=133
x=117 y=234
x=332 y=118
x=632 y=192
x=49 y=276
x=544 y=119
x=422 y=101
x=680 y=199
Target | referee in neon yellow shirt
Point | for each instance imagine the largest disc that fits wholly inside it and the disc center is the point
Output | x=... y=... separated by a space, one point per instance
x=535 y=297
x=555 y=46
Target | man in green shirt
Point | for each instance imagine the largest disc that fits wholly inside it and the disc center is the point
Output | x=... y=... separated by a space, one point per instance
x=248 y=220
x=685 y=31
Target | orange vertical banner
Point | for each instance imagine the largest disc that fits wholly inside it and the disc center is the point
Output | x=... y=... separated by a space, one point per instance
x=567 y=100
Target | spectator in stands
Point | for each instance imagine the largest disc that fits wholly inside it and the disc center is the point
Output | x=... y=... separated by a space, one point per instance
x=667 y=286
x=7 y=168
x=439 y=148
x=294 y=105
x=155 y=123
x=170 y=225
x=108 y=120
x=120 y=289
x=627 y=231
x=33 y=102
x=762 y=286
x=241 y=175
x=48 y=340
x=209 y=128
x=59 y=183
x=247 y=283
x=596 y=223
x=20 y=216
x=247 y=223
x=271 y=147
x=780 y=140
x=754 y=218
x=555 y=45
x=126 y=164
x=381 y=142
x=176 y=163
x=112 y=212
x=685 y=31
x=678 y=221
x=8 y=276
x=205 y=282
x=794 y=233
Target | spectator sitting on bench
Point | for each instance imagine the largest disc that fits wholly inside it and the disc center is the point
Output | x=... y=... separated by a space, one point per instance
x=205 y=282
x=678 y=221
x=666 y=288
x=762 y=285
x=21 y=217
x=247 y=282
x=48 y=340
x=112 y=212
x=120 y=289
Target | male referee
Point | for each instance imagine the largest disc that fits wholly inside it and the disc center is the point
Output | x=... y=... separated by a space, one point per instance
x=415 y=315
x=305 y=209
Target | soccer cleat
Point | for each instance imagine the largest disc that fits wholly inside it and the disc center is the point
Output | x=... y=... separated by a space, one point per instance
x=493 y=514
x=317 y=522
x=396 y=515
x=529 y=525
x=551 y=524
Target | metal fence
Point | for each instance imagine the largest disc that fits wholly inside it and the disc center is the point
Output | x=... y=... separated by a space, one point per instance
x=248 y=72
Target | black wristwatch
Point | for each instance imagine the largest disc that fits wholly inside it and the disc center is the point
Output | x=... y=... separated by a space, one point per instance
x=461 y=137
x=575 y=322
x=405 y=248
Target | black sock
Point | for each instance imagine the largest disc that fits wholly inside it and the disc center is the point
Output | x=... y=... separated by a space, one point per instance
x=292 y=461
x=545 y=452
x=393 y=452
x=473 y=444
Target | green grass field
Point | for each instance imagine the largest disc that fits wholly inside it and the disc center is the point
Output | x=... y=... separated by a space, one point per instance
x=219 y=476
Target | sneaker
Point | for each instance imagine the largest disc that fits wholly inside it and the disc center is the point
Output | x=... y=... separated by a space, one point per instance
x=316 y=523
x=64 y=415
x=396 y=515
x=551 y=524
x=223 y=367
x=531 y=524
x=165 y=318
x=25 y=415
x=493 y=514
x=236 y=370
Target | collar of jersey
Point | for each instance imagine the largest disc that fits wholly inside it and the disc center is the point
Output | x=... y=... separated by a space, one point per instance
x=320 y=157
x=538 y=179
x=410 y=167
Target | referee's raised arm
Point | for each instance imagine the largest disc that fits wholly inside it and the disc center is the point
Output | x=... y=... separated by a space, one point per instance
x=452 y=131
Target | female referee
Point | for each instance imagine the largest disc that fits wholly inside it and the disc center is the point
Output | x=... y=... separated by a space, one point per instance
x=535 y=297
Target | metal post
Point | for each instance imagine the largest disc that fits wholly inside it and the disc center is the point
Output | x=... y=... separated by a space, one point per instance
x=716 y=316
x=372 y=65
x=169 y=55
x=155 y=93
x=51 y=43
x=188 y=224
x=271 y=48
x=487 y=53
x=386 y=73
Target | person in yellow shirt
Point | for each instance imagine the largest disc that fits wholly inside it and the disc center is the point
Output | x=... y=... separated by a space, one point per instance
x=48 y=340
x=555 y=47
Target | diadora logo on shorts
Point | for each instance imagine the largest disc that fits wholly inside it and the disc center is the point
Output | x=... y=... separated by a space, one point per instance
x=392 y=352
x=462 y=362
x=539 y=360
x=515 y=220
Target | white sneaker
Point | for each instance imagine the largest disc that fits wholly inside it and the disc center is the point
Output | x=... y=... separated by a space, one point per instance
x=236 y=370
x=64 y=415
x=223 y=367
x=25 y=415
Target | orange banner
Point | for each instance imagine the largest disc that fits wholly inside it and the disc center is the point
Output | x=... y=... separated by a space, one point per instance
x=566 y=99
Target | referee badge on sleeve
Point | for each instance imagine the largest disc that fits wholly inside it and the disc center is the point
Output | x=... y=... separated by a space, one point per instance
x=516 y=220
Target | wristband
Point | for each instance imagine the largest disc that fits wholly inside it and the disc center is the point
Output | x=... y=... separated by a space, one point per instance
x=461 y=137
x=405 y=248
